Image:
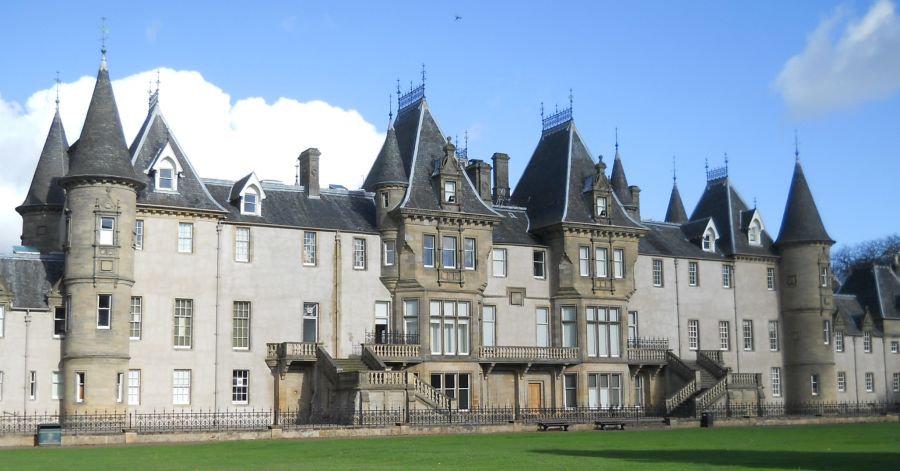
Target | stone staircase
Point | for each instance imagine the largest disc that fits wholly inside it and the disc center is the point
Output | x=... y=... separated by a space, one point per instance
x=705 y=382
x=354 y=373
x=350 y=364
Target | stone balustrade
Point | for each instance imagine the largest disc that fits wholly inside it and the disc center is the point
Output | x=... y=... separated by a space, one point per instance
x=291 y=351
x=646 y=355
x=393 y=350
x=681 y=395
x=739 y=380
x=711 y=395
x=386 y=378
x=529 y=354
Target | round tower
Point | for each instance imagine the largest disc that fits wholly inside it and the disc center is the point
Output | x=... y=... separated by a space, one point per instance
x=806 y=298
x=101 y=193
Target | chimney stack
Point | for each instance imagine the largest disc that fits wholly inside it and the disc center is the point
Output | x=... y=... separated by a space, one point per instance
x=635 y=207
x=501 y=177
x=479 y=172
x=308 y=171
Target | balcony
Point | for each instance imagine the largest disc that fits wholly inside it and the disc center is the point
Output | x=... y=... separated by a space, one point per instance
x=291 y=351
x=745 y=380
x=530 y=355
x=394 y=346
x=647 y=351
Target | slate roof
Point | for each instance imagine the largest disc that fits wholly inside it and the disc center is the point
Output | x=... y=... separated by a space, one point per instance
x=721 y=202
x=149 y=142
x=801 y=222
x=877 y=287
x=552 y=184
x=619 y=182
x=288 y=205
x=51 y=166
x=513 y=227
x=848 y=308
x=675 y=213
x=669 y=240
x=388 y=166
x=420 y=141
x=101 y=149
x=29 y=278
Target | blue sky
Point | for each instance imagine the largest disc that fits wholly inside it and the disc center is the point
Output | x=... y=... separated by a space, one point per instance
x=688 y=79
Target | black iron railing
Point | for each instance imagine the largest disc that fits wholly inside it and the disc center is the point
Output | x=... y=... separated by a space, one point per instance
x=812 y=409
x=397 y=338
x=649 y=343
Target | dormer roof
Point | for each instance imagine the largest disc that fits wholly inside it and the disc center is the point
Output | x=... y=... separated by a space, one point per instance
x=722 y=202
x=51 y=166
x=241 y=186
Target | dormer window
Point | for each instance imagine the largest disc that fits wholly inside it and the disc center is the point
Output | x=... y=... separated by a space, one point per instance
x=250 y=202
x=166 y=176
x=165 y=170
x=710 y=235
x=755 y=230
x=708 y=241
x=450 y=192
x=601 y=207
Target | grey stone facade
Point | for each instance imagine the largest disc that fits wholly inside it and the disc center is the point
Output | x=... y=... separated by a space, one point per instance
x=142 y=286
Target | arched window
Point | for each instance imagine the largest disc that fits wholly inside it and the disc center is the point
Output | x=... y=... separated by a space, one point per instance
x=166 y=175
x=754 y=233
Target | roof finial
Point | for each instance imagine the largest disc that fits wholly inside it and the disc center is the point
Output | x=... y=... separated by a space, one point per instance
x=398 y=88
x=104 y=33
x=617 y=139
x=157 y=80
x=390 y=108
x=542 y=111
x=726 y=163
x=706 y=165
x=57 y=90
x=674 y=172
x=754 y=203
x=570 y=99
x=796 y=147
x=423 y=74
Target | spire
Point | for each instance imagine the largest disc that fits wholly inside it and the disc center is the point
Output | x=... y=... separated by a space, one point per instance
x=101 y=149
x=675 y=212
x=801 y=221
x=51 y=166
x=388 y=166
x=57 y=91
x=796 y=147
x=617 y=178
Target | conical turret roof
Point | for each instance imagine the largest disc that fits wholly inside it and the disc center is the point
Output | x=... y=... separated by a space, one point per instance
x=388 y=166
x=676 y=213
x=801 y=222
x=51 y=166
x=101 y=149
x=619 y=182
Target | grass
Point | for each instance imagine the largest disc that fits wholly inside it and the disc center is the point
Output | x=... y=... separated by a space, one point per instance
x=823 y=447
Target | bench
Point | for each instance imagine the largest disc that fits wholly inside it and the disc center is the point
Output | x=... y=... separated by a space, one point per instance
x=562 y=426
x=613 y=424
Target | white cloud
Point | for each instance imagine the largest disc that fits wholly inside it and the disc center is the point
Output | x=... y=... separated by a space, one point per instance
x=223 y=139
x=847 y=62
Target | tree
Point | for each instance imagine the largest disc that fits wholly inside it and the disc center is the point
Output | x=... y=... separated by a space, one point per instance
x=881 y=251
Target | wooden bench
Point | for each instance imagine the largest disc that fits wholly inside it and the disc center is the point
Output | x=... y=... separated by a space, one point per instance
x=562 y=426
x=613 y=424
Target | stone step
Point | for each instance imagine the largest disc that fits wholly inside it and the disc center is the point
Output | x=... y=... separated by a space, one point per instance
x=350 y=364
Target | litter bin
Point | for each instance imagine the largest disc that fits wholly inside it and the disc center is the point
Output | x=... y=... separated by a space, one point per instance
x=706 y=420
x=49 y=434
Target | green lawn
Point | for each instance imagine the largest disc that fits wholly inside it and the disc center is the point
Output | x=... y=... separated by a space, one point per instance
x=834 y=447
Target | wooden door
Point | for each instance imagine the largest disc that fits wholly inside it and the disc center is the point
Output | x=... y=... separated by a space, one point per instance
x=535 y=396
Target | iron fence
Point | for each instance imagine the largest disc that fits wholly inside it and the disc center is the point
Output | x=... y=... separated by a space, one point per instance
x=209 y=420
x=811 y=409
x=394 y=338
x=586 y=415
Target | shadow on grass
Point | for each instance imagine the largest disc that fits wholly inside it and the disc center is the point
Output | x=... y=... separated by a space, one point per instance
x=824 y=461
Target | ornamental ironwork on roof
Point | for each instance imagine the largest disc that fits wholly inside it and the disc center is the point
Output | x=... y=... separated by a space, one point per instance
x=556 y=121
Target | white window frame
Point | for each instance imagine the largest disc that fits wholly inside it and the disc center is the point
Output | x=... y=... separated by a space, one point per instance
x=139 y=234
x=727 y=276
x=604 y=330
x=120 y=387
x=608 y=396
x=181 y=387
x=428 y=250
x=870 y=382
x=841 y=381
x=770 y=279
x=657 y=271
x=411 y=317
x=488 y=325
x=584 y=260
x=618 y=263
x=469 y=253
x=80 y=386
x=32 y=385
x=895 y=382
x=775 y=374
x=240 y=387
x=185 y=237
x=826 y=332
x=134 y=387
x=250 y=202
x=814 y=384
x=310 y=249
x=542 y=326
x=450 y=192
x=106 y=230
x=498 y=263
x=569 y=321
x=724 y=336
x=459 y=392
x=570 y=390
x=389 y=248
x=136 y=311
x=693 y=334
x=867 y=342
x=895 y=346
x=56 y=385
x=747 y=334
x=539 y=264
x=601 y=263
x=60 y=319
x=633 y=332
x=448 y=252
x=166 y=164
x=601 y=209
x=242 y=244
x=359 y=253
x=839 y=340
x=774 y=340
x=449 y=327
x=823 y=277
x=183 y=323
x=693 y=274
x=241 y=315
x=310 y=320
x=104 y=324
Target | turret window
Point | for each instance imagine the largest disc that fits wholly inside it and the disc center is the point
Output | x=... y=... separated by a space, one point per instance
x=106 y=234
x=469 y=253
x=104 y=311
x=390 y=252
x=823 y=277
x=814 y=385
x=450 y=192
x=601 y=207
x=618 y=263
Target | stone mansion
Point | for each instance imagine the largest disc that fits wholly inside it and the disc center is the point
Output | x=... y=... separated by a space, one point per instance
x=140 y=285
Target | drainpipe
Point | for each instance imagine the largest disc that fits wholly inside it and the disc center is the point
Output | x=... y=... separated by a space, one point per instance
x=336 y=293
x=216 y=336
x=677 y=310
x=737 y=327
x=855 y=371
x=27 y=383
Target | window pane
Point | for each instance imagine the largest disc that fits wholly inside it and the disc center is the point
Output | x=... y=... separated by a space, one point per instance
x=428 y=251
x=309 y=248
x=448 y=249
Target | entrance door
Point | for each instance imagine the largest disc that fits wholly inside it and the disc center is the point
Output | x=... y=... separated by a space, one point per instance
x=535 y=396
